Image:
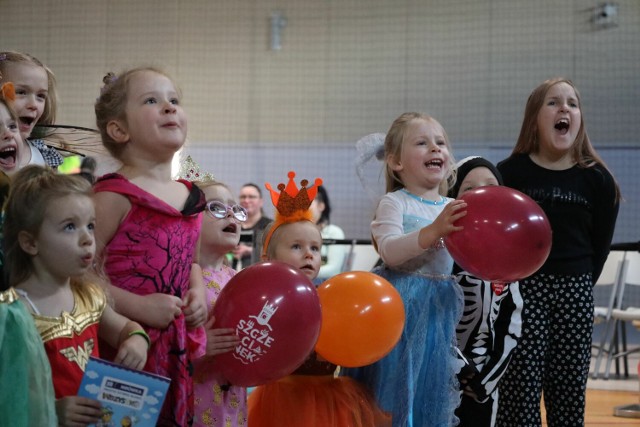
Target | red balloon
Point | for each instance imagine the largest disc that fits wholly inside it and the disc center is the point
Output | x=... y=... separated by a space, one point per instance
x=275 y=311
x=506 y=235
x=362 y=318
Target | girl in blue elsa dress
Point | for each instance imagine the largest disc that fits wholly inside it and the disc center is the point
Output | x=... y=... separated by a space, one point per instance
x=417 y=381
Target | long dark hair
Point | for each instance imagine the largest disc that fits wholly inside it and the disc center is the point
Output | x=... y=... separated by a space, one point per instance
x=323 y=197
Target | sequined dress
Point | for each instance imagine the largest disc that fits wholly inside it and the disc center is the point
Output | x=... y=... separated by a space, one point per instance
x=69 y=339
x=26 y=394
x=416 y=381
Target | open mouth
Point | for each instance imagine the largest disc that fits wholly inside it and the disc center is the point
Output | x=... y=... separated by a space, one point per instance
x=26 y=123
x=562 y=126
x=231 y=228
x=308 y=267
x=436 y=163
x=8 y=157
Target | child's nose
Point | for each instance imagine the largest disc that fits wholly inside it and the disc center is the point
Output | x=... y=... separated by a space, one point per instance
x=86 y=238
x=5 y=132
x=32 y=103
x=169 y=108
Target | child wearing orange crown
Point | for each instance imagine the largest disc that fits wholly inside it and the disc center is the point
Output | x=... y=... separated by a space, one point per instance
x=312 y=396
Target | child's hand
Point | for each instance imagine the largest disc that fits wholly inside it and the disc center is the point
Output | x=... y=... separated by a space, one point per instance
x=132 y=353
x=162 y=310
x=220 y=340
x=195 y=308
x=450 y=214
x=76 y=411
x=443 y=225
x=469 y=392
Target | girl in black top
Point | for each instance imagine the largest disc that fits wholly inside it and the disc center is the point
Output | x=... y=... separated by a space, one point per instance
x=554 y=163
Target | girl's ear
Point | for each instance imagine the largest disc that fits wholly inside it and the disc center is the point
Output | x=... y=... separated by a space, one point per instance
x=394 y=163
x=28 y=243
x=117 y=131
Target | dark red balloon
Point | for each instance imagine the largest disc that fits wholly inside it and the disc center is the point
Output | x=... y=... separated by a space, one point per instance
x=506 y=235
x=275 y=311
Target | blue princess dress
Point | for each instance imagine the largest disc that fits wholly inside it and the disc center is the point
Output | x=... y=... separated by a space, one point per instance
x=417 y=380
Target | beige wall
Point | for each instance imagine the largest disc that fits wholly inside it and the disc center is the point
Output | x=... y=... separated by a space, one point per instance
x=347 y=67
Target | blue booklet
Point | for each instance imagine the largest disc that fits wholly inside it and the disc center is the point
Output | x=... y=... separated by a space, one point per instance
x=128 y=397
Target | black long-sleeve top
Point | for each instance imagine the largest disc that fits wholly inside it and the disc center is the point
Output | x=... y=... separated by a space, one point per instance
x=581 y=205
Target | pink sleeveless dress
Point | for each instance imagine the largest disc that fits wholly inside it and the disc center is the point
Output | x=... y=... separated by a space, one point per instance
x=152 y=252
x=217 y=404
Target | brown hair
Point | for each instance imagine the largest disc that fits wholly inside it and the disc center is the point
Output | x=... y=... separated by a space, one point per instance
x=51 y=105
x=112 y=102
x=9 y=106
x=211 y=183
x=583 y=153
x=32 y=190
x=393 y=149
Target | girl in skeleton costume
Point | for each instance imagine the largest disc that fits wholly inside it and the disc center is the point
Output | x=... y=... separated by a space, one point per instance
x=491 y=323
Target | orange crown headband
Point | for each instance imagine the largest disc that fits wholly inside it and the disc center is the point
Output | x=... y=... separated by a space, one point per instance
x=292 y=204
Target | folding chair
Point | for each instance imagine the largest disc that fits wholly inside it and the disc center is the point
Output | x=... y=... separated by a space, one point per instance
x=610 y=279
x=361 y=257
x=631 y=277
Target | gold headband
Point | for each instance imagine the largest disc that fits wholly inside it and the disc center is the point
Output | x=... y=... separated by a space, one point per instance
x=190 y=171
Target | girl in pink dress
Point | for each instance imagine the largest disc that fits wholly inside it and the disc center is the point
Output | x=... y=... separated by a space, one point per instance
x=147 y=227
x=217 y=403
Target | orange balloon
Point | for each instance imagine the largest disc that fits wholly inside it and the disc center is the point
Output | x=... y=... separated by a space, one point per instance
x=362 y=318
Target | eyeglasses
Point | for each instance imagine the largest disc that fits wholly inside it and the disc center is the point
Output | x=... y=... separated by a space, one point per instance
x=219 y=210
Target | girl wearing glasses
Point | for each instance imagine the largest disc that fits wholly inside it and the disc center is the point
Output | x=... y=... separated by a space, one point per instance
x=216 y=402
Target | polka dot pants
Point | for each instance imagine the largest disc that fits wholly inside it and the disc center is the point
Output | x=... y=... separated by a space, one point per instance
x=553 y=354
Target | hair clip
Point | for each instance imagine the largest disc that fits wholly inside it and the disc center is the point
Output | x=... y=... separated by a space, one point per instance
x=8 y=91
x=3 y=56
x=190 y=171
x=292 y=204
x=108 y=79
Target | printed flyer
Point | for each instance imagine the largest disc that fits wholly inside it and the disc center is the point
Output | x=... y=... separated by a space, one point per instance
x=128 y=397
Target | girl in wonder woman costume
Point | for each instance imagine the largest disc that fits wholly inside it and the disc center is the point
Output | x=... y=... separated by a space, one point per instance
x=49 y=238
